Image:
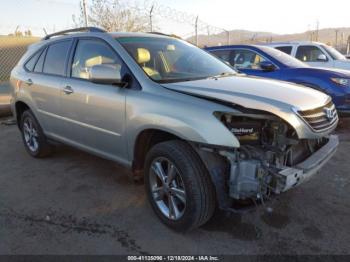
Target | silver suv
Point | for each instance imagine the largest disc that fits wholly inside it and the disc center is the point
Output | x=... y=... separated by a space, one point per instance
x=199 y=133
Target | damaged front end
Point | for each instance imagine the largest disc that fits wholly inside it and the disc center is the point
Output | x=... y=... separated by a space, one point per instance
x=271 y=158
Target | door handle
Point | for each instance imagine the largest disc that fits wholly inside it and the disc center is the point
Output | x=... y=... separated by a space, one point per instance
x=29 y=82
x=68 y=90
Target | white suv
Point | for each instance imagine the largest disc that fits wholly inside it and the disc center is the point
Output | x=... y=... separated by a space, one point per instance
x=314 y=53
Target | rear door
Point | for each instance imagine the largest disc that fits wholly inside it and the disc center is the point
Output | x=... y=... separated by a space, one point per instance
x=45 y=81
x=94 y=114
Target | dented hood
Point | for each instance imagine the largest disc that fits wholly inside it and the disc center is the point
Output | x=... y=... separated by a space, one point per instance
x=254 y=92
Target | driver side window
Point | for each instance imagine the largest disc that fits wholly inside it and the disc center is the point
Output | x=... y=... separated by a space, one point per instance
x=91 y=52
x=246 y=59
x=309 y=53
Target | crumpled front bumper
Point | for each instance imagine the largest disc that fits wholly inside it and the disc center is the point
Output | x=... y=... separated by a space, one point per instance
x=294 y=176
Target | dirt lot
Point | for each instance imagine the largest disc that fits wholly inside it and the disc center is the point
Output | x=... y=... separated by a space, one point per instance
x=75 y=203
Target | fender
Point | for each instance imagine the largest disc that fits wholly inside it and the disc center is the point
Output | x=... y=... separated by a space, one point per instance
x=210 y=132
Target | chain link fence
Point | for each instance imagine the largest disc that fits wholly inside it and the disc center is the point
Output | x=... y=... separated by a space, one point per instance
x=16 y=33
x=11 y=50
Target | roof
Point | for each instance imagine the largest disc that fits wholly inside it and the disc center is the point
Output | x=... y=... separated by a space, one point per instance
x=292 y=43
x=92 y=30
x=231 y=46
x=136 y=34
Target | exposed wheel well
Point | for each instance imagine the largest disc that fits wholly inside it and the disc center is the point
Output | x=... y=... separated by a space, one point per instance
x=144 y=142
x=21 y=107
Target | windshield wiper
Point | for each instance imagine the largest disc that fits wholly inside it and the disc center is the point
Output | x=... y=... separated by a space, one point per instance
x=224 y=74
x=176 y=80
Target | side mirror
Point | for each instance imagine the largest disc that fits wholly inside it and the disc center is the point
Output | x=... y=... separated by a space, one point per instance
x=267 y=66
x=322 y=58
x=105 y=74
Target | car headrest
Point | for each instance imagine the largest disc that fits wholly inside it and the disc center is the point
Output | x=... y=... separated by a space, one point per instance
x=143 y=55
x=240 y=59
x=98 y=60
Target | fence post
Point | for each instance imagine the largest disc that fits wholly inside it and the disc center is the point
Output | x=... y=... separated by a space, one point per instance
x=150 y=18
x=85 y=13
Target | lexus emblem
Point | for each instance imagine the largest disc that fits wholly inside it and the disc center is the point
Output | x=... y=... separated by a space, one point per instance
x=329 y=113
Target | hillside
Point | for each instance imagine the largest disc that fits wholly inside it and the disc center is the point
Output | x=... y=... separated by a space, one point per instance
x=327 y=35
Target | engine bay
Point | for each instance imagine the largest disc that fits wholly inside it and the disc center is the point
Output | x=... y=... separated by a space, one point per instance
x=266 y=160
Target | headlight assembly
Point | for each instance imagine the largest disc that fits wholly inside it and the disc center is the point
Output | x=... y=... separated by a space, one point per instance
x=341 y=81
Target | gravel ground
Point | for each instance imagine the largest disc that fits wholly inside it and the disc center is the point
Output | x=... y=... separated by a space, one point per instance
x=76 y=203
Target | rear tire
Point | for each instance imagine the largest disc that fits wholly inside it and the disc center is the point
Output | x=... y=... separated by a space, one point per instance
x=35 y=142
x=186 y=198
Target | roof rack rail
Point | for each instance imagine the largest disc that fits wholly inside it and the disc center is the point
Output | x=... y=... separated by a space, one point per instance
x=80 y=29
x=157 y=33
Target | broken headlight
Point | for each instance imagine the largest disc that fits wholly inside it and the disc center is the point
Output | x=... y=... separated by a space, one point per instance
x=246 y=130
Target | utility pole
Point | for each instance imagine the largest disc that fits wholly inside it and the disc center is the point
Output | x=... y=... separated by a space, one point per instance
x=16 y=30
x=317 y=29
x=196 y=30
x=150 y=18
x=85 y=13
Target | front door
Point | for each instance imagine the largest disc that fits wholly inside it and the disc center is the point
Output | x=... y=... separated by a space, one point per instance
x=248 y=62
x=94 y=114
x=313 y=56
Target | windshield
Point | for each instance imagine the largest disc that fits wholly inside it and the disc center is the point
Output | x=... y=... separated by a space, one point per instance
x=333 y=53
x=167 y=60
x=283 y=58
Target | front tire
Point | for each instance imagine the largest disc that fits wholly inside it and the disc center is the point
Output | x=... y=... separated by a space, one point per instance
x=33 y=137
x=178 y=186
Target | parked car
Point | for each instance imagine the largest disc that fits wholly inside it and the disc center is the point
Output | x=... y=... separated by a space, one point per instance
x=271 y=63
x=200 y=134
x=314 y=54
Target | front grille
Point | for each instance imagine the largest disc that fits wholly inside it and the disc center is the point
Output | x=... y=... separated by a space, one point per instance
x=321 y=118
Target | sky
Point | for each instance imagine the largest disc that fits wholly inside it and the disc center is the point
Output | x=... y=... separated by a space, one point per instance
x=275 y=16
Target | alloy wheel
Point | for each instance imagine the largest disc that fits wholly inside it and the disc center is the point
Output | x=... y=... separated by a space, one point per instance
x=30 y=135
x=167 y=188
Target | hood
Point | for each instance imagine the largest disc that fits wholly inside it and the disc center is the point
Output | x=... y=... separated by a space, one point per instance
x=254 y=93
x=343 y=64
x=332 y=72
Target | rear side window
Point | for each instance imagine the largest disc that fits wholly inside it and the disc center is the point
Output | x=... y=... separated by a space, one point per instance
x=56 y=57
x=32 y=61
x=40 y=64
x=285 y=49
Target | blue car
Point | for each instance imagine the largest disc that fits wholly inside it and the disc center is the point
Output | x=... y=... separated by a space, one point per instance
x=267 y=62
